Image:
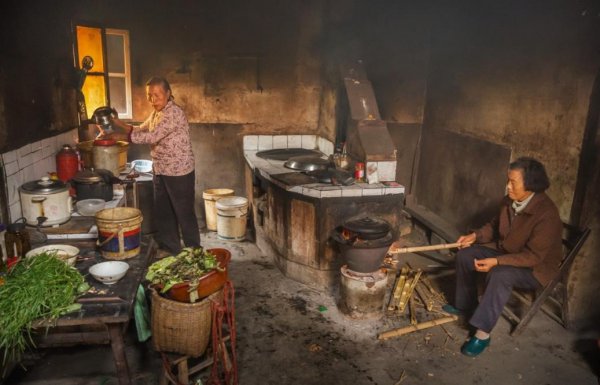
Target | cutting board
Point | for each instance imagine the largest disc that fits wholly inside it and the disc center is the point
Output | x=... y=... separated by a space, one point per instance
x=75 y=225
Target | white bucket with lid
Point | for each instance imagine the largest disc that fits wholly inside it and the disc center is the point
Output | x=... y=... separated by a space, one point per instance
x=231 y=218
x=211 y=196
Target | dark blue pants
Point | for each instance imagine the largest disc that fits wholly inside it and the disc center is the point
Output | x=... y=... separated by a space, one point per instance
x=174 y=209
x=500 y=281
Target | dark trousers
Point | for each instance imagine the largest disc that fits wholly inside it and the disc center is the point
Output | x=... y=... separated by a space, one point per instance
x=174 y=209
x=500 y=281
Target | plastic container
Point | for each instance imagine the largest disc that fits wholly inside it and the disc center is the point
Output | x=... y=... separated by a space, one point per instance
x=210 y=197
x=119 y=232
x=231 y=218
x=67 y=163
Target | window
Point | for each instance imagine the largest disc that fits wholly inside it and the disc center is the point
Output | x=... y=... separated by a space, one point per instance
x=108 y=82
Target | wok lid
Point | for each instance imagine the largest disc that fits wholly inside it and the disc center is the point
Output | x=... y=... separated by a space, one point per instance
x=367 y=227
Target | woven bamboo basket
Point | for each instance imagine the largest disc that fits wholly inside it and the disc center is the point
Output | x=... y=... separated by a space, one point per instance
x=179 y=327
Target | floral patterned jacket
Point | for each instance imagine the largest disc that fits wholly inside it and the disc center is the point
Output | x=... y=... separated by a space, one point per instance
x=168 y=133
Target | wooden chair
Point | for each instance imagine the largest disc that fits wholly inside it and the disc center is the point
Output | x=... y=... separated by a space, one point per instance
x=554 y=292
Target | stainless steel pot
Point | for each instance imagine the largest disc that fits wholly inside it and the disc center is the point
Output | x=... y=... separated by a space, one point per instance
x=94 y=184
x=103 y=116
x=45 y=198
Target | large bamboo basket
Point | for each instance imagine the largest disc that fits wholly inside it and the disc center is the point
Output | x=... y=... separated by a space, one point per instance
x=179 y=327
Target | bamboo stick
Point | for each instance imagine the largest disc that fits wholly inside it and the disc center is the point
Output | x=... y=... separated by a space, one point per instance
x=441 y=246
x=395 y=298
x=406 y=294
x=422 y=292
x=412 y=310
x=412 y=328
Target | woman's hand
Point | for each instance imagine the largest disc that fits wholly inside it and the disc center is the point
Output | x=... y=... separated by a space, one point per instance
x=486 y=264
x=466 y=240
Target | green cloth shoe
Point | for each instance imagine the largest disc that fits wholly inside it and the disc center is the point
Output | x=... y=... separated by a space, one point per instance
x=474 y=346
x=452 y=310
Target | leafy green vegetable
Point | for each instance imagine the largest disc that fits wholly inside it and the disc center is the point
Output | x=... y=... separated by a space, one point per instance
x=39 y=287
x=187 y=266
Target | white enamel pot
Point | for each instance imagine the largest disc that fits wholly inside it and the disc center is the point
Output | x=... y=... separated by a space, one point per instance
x=45 y=198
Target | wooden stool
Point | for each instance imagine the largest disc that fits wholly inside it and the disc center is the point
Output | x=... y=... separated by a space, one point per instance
x=184 y=371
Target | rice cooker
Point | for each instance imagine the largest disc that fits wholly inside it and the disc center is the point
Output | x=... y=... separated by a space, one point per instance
x=45 y=198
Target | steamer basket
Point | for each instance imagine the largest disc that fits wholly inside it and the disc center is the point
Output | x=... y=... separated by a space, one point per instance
x=119 y=232
x=182 y=328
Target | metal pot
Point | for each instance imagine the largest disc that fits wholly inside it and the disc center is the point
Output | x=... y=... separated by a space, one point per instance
x=103 y=116
x=45 y=198
x=367 y=228
x=94 y=184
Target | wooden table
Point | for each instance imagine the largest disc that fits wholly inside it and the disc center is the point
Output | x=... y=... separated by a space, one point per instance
x=106 y=321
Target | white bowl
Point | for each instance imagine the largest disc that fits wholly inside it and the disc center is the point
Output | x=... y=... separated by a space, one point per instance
x=89 y=207
x=142 y=165
x=66 y=253
x=109 y=272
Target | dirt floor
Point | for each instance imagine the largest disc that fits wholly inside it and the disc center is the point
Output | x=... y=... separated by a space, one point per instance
x=288 y=333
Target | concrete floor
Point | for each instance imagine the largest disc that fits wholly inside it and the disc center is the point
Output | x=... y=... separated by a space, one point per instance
x=286 y=336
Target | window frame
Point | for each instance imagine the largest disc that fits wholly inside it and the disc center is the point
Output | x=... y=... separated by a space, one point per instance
x=128 y=114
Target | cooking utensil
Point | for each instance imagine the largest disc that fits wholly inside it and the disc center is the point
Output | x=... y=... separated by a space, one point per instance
x=414 y=249
x=94 y=184
x=307 y=163
x=89 y=207
x=103 y=116
x=46 y=198
x=367 y=228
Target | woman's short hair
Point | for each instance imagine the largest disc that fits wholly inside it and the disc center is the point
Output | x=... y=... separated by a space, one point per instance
x=534 y=174
x=157 y=80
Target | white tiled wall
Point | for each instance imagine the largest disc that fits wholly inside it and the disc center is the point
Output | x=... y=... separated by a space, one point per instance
x=268 y=142
x=31 y=162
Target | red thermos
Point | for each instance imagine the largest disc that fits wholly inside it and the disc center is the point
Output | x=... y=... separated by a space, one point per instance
x=67 y=163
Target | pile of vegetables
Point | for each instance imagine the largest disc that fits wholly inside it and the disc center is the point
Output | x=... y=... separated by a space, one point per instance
x=39 y=287
x=187 y=266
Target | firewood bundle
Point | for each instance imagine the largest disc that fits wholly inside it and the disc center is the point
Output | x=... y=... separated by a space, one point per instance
x=413 y=289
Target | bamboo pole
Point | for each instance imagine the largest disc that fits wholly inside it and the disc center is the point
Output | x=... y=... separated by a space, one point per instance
x=422 y=292
x=441 y=246
x=395 y=298
x=412 y=328
x=412 y=310
x=407 y=292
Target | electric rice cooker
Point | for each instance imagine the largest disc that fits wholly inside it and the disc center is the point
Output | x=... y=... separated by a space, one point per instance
x=45 y=198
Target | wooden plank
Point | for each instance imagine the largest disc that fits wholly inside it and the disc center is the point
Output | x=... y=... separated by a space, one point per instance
x=76 y=225
x=302 y=241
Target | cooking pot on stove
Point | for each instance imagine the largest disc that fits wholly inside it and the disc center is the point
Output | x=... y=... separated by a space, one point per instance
x=45 y=198
x=94 y=184
x=367 y=228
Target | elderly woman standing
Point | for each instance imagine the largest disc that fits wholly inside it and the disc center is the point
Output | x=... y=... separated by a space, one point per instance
x=167 y=132
x=520 y=248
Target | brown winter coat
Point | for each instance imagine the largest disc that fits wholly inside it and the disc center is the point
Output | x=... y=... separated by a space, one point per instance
x=530 y=239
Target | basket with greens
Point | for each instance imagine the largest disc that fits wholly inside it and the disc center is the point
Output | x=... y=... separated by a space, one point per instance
x=191 y=275
x=40 y=287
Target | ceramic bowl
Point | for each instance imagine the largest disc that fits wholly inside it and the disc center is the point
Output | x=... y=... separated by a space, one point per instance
x=66 y=253
x=109 y=272
x=89 y=207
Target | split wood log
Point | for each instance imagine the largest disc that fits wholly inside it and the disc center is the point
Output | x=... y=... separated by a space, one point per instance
x=395 y=298
x=414 y=249
x=407 y=292
x=412 y=328
x=422 y=292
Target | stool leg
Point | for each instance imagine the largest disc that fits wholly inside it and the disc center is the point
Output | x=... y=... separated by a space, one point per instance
x=182 y=372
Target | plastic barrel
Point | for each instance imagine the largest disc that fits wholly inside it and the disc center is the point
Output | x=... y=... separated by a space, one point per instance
x=119 y=232
x=210 y=197
x=231 y=218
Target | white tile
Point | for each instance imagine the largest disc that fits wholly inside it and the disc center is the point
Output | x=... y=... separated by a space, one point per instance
x=23 y=151
x=326 y=147
x=47 y=142
x=331 y=193
x=25 y=160
x=11 y=168
x=393 y=190
x=36 y=146
x=15 y=211
x=13 y=183
x=54 y=143
x=265 y=142
x=351 y=191
x=280 y=141
x=386 y=171
x=10 y=156
x=251 y=142
x=371 y=173
x=296 y=189
x=372 y=191
x=29 y=173
x=48 y=151
x=311 y=192
x=36 y=156
x=309 y=141
x=294 y=141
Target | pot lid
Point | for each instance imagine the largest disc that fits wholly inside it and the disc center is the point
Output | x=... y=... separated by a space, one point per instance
x=44 y=186
x=88 y=176
x=367 y=225
x=105 y=142
x=307 y=163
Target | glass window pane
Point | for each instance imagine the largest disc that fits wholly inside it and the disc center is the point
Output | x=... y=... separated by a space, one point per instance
x=118 y=98
x=89 y=43
x=115 y=53
x=94 y=92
